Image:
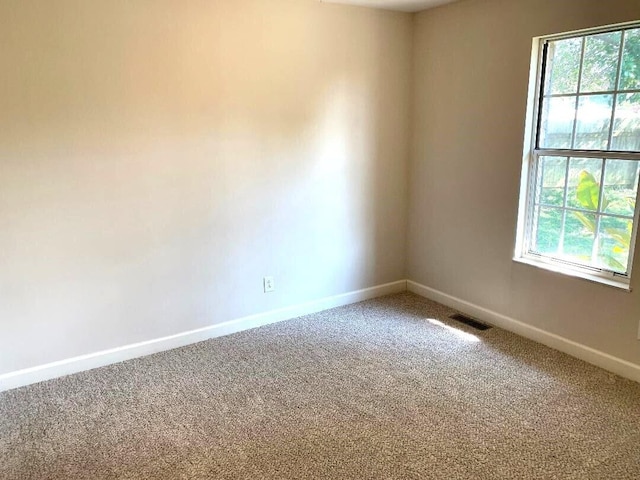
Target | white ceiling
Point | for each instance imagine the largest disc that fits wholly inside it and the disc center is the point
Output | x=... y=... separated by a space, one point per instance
x=401 y=5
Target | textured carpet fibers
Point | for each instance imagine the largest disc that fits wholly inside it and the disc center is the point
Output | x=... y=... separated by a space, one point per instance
x=384 y=389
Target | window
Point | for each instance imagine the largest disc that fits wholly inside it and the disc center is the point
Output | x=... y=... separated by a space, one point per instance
x=579 y=210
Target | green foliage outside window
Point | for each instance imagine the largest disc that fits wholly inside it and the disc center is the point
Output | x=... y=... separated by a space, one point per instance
x=588 y=193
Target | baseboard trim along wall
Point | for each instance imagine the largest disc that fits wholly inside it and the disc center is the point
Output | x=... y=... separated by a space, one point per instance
x=595 y=357
x=82 y=363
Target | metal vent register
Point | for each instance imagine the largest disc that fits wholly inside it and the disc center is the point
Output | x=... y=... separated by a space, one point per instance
x=469 y=321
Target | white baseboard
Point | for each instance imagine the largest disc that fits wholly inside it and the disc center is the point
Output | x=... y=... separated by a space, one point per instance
x=107 y=357
x=69 y=366
x=595 y=357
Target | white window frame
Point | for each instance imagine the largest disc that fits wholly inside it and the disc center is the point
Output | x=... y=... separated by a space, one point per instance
x=529 y=169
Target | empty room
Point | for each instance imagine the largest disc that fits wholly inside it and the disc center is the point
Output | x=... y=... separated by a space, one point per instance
x=307 y=239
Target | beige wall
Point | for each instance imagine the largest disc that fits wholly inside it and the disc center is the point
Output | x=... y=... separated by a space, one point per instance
x=471 y=78
x=159 y=157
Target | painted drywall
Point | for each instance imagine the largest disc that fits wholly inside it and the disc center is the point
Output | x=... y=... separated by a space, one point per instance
x=472 y=62
x=158 y=158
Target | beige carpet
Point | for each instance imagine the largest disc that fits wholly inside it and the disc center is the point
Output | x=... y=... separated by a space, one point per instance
x=373 y=391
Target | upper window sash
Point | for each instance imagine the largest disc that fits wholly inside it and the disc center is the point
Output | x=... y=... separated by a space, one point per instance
x=573 y=129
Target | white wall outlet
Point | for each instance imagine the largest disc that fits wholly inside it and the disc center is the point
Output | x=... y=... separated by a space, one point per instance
x=269 y=284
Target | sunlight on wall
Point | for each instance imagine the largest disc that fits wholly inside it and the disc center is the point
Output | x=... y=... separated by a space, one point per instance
x=344 y=138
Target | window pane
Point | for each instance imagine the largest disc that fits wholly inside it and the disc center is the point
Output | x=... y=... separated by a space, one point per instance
x=630 y=73
x=563 y=66
x=620 y=187
x=584 y=183
x=558 y=117
x=579 y=236
x=614 y=240
x=600 y=64
x=594 y=122
x=626 y=126
x=552 y=172
x=548 y=230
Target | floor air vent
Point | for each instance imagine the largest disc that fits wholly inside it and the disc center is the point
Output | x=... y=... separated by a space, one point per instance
x=469 y=321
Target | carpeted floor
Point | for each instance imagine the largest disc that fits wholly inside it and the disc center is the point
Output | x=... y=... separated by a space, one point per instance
x=372 y=391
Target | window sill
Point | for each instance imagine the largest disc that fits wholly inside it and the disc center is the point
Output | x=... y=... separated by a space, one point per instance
x=621 y=284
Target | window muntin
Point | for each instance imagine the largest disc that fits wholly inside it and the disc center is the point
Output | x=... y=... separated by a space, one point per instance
x=583 y=190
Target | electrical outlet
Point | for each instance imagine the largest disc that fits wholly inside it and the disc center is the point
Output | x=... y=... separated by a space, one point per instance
x=269 y=284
